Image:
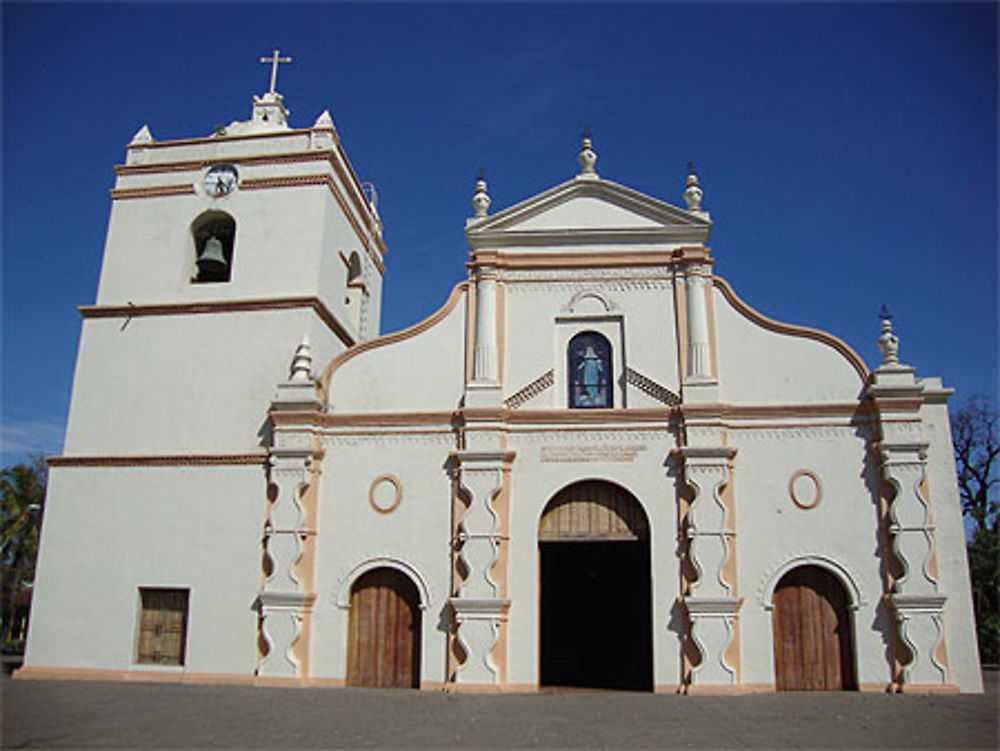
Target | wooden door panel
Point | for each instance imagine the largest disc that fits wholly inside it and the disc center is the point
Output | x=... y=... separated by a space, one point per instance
x=813 y=644
x=384 y=631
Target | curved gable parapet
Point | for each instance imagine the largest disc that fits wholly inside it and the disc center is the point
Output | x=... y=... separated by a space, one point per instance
x=842 y=373
x=396 y=353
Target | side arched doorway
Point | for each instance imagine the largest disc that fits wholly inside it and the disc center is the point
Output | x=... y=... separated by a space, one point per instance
x=383 y=633
x=595 y=588
x=813 y=639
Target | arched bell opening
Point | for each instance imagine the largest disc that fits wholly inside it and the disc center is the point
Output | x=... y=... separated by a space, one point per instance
x=383 y=632
x=354 y=289
x=595 y=590
x=214 y=234
x=813 y=632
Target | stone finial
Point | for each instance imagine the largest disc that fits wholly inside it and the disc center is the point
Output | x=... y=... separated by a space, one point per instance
x=324 y=120
x=481 y=200
x=142 y=136
x=888 y=342
x=587 y=158
x=302 y=362
x=693 y=192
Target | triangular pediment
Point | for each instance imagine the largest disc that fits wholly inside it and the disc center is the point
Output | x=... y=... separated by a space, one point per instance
x=590 y=211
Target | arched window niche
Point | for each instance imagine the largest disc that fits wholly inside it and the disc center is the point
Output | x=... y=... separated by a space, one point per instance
x=214 y=234
x=354 y=289
x=590 y=371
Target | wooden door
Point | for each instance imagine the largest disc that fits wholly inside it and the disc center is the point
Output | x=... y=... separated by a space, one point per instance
x=384 y=631
x=813 y=644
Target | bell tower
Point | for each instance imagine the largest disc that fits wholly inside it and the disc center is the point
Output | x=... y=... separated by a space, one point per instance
x=225 y=253
x=222 y=252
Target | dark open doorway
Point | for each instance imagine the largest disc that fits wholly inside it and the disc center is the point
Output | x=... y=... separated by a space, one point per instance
x=596 y=619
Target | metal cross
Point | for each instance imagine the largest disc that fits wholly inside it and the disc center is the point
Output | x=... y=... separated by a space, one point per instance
x=274 y=60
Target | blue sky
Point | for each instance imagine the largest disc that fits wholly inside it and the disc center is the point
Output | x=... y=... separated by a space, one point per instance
x=848 y=152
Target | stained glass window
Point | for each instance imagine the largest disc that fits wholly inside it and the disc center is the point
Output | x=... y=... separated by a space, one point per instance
x=590 y=375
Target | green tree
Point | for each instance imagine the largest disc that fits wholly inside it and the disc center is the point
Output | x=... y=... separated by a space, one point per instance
x=975 y=430
x=23 y=495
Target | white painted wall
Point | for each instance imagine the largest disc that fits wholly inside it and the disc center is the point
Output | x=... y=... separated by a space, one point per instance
x=109 y=531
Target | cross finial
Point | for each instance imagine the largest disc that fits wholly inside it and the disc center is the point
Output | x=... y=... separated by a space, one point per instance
x=274 y=60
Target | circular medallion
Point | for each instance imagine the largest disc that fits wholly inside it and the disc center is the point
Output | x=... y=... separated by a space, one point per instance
x=805 y=489
x=385 y=494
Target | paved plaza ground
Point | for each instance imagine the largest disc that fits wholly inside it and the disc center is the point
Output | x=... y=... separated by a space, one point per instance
x=47 y=714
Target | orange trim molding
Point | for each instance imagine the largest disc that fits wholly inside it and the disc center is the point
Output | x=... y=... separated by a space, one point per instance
x=221 y=306
x=786 y=328
x=124 y=194
x=156 y=460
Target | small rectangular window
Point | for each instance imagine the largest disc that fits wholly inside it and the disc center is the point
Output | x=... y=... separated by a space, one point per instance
x=162 y=626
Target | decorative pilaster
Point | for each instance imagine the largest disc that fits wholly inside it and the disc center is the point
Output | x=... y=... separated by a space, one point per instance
x=479 y=604
x=917 y=603
x=711 y=604
x=699 y=355
x=484 y=364
x=285 y=600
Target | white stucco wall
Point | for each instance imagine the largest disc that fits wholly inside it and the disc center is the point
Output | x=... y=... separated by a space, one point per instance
x=414 y=537
x=185 y=383
x=759 y=366
x=109 y=531
x=840 y=533
x=953 y=566
x=424 y=372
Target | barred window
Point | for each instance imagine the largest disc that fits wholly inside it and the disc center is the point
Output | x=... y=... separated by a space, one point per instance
x=162 y=626
x=590 y=374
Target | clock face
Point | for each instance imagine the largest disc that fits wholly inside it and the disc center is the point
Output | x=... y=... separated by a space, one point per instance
x=220 y=180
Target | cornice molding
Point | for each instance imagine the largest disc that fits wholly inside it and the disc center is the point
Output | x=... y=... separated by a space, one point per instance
x=221 y=306
x=157 y=460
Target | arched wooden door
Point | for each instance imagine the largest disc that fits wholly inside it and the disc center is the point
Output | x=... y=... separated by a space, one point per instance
x=384 y=631
x=813 y=642
x=596 y=595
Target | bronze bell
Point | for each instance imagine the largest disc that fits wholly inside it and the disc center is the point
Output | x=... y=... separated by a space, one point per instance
x=211 y=259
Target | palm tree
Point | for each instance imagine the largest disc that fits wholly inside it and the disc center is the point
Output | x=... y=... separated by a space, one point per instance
x=22 y=495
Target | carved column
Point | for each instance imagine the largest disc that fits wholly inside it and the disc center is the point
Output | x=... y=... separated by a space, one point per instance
x=699 y=361
x=285 y=602
x=283 y=599
x=485 y=354
x=917 y=602
x=712 y=604
x=479 y=604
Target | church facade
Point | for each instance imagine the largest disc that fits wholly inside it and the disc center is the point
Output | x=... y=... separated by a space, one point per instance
x=594 y=465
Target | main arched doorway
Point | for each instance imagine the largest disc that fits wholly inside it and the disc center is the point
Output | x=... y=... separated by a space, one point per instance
x=383 y=633
x=596 y=602
x=813 y=639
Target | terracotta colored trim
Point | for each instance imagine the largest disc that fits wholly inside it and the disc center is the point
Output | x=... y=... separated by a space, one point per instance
x=766 y=411
x=668 y=688
x=790 y=330
x=589 y=416
x=397 y=336
x=157 y=460
x=124 y=194
x=897 y=405
x=929 y=688
x=194 y=165
x=569 y=260
x=221 y=306
x=43 y=673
